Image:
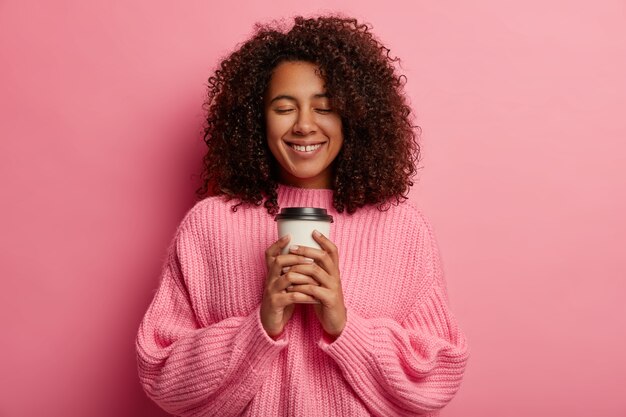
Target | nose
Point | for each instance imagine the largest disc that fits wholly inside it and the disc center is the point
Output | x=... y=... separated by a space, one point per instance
x=304 y=124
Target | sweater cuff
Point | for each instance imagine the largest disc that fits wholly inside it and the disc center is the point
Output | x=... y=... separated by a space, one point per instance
x=354 y=344
x=260 y=349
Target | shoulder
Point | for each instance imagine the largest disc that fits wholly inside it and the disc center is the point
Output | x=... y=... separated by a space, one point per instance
x=428 y=246
x=423 y=225
x=208 y=211
x=399 y=225
x=411 y=229
x=418 y=217
x=405 y=243
x=407 y=216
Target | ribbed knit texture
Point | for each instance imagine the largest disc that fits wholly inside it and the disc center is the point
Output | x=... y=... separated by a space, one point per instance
x=202 y=350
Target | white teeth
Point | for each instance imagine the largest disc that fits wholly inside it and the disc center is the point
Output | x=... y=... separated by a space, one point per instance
x=308 y=148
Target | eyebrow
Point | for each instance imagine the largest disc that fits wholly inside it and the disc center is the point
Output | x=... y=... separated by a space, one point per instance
x=287 y=97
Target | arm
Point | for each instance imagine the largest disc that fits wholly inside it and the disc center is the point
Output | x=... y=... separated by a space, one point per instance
x=409 y=367
x=403 y=369
x=192 y=370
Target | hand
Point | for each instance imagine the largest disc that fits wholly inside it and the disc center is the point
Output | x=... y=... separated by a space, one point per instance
x=277 y=305
x=331 y=311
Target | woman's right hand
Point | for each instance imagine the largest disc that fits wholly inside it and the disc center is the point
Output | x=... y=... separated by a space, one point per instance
x=277 y=305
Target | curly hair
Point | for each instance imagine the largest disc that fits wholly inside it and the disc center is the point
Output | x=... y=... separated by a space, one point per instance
x=380 y=150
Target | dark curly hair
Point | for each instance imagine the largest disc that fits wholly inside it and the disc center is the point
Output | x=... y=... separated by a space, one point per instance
x=380 y=149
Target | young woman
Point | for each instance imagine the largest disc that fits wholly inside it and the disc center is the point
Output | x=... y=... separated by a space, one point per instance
x=312 y=116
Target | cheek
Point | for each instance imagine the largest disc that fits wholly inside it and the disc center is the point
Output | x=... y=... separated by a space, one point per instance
x=333 y=130
x=332 y=125
x=273 y=135
x=276 y=126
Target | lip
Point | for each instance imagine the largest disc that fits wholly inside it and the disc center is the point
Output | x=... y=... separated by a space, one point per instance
x=293 y=142
x=303 y=154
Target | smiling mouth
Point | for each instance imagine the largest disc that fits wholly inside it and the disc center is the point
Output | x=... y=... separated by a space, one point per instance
x=307 y=148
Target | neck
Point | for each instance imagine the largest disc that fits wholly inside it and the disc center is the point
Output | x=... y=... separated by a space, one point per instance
x=294 y=196
x=307 y=184
x=321 y=181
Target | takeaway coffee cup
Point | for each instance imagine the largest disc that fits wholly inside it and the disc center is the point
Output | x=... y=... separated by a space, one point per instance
x=299 y=222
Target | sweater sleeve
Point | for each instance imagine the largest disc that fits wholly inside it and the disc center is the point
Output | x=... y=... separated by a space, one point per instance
x=410 y=367
x=193 y=370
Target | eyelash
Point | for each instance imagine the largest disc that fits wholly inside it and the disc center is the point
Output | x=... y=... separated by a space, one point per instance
x=284 y=111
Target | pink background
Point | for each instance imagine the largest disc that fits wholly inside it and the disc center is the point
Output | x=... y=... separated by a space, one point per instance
x=522 y=108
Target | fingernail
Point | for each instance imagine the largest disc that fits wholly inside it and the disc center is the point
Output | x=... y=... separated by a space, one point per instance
x=294 y=248
x=308 y=260
x=316 y=233
x=286 y=268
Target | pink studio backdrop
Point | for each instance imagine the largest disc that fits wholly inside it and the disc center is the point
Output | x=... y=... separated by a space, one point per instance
x=522 y=110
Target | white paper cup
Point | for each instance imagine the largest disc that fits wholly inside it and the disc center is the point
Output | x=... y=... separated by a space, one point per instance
x=299 y=222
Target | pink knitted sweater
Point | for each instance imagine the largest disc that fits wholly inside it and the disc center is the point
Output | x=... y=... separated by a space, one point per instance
x=202 y=351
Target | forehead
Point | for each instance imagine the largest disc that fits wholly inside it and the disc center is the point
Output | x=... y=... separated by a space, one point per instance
x=297 y=78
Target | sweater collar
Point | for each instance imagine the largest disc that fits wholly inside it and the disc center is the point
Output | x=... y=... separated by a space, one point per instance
x=290 y=196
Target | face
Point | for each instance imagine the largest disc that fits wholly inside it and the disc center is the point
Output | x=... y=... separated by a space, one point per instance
x=303 y=132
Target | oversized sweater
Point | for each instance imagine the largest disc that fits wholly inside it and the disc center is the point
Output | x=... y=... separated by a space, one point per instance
x=202 y=350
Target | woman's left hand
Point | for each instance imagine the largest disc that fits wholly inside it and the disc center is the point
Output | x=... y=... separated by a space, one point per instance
x=331 y=311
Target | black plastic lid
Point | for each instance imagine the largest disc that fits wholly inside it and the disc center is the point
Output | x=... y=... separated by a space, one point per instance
x=303 y=213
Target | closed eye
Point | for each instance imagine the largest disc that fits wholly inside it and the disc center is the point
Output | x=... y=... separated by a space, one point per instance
x=324 y=111
x=282 y=111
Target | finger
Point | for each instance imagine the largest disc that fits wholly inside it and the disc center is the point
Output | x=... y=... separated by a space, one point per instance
x=327 y=245
x=321 y=257
x=293 y=278
x=292 y=259
x=288 y=260
x=323 y=295
x=285 y=299
x=276 y=248
x=317 y=273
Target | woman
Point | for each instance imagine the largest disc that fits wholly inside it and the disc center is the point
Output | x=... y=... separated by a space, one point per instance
x=311 y=116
